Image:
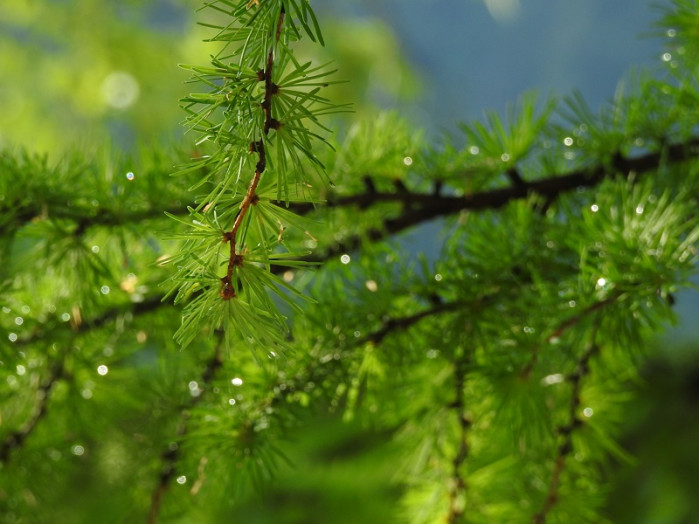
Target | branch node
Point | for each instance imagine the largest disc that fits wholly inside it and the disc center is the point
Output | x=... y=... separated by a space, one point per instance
x=516 y=180
x=400 y=186
x=369 y=184
x=227 y=292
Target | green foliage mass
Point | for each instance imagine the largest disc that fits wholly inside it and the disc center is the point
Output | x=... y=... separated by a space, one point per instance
x=248 y=335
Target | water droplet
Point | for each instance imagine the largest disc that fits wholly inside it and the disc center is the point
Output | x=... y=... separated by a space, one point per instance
x=438 y=277
x=474 y=150
x=594 y=208
x=86 y=394
x=408 y=161
x=26 y=309
x=231 y=401
x=102 y=370
x=568 y=141
x=601 y=282
x=237 y=381
x=130 y=176
x=120 y=90
x=555 y=378
x=12 y=337
x=181 y=480
x=78 y=450
x=432 y=353
x=65 y=317
x=505 y=157
x=19 y=321
x=671 y=33
x=371 y=285
x=345 y=259
x=95 y=249
x=104 y=290
x=571 y=303
x=21 y=370
x=666 y=57
x=588 y=412
x=639 y=210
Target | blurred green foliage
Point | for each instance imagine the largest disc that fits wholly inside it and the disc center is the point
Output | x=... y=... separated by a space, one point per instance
x=85 y=73
x=80 y=73
x=400 y=359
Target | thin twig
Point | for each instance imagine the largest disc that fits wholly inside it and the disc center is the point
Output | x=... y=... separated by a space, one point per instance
x=458 y=485
x=171 y=455
x=235 y=258
x=582 y=370
x=567 y=324
x=390 y=325
x=15 y=439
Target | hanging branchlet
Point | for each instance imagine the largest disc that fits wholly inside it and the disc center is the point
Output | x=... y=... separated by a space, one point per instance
x=259 y=126
x=236 y=259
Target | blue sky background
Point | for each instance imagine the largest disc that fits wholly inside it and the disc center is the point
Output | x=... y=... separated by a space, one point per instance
x=471 y=58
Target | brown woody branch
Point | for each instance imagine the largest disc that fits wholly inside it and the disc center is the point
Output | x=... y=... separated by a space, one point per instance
x=423 y=207
x=236 y=259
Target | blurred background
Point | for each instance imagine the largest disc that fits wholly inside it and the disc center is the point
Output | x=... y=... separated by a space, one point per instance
x=80 y=74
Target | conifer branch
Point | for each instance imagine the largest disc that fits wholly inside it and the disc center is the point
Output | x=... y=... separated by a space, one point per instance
x=236 y=259
x=17 y=438
x=171 y=455
x=392 y=324
x=147 y=305
x=574 y=320
x=420 y=207
x=570 y=323
x=258 y=122
x=565 y=448
x=88 y=218
x=423 y=207
x=458 y=487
